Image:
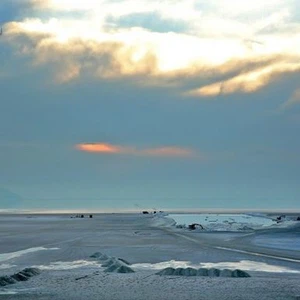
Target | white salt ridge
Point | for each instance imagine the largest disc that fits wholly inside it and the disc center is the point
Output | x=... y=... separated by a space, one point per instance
x=11 y=255
x=246 y=265
x=68 y=265
x=6 y=291
x=250 y=266
x=6 y=266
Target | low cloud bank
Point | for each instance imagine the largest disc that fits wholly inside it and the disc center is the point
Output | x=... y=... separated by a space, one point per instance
x=164 y=151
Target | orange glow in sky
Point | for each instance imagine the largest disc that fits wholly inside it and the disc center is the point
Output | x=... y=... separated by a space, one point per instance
x=103 y=148
x=98 y=147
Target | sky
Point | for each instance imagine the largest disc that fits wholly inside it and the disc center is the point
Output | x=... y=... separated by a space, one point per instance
x=138 y=104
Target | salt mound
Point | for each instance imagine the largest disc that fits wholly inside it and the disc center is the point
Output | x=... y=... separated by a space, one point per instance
x=240 y=273
x=213 y=272
x=124 y=261
x=20 y=277
x=203 y=272
x=5 y=280
x=179 y=271
x=100 y=256
x=109 y=262
x=124 y=269
x=166 y=271
x=190 y=272
x=113 y=267
x=119 y=267
x=31 y=272
x=112 y=264
x=24 y=275
x=226 y=273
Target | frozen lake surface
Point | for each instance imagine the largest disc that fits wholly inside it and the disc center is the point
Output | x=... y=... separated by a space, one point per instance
x=61 y=246
x=286 y=241
x=265 y=228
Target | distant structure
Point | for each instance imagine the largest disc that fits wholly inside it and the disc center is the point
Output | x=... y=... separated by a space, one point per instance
x=195 y=225
x=1 y=31
x=280 y=218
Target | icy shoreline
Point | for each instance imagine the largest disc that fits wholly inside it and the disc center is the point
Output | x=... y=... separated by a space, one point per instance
x=232 y=222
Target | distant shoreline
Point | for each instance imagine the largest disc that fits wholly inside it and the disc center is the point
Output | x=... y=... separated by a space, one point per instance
x=136 y=211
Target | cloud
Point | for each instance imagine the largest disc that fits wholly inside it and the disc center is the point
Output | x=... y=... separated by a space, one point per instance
x=293 y=100
x=101 y=148
x=247 y=82
x=104 y=57
x=204 y=39
x=166 y=151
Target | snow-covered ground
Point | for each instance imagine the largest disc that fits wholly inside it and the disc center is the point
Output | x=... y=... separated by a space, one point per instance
x=61 y=246
x=267 y=230
x=229 y=222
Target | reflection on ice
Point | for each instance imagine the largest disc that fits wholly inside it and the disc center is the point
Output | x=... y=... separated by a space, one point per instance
x=6 y=266
x=11 y=255
x=246 y=265
x=165 y=264
x=68 y=265
x=286 y=241
x=6 y=291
